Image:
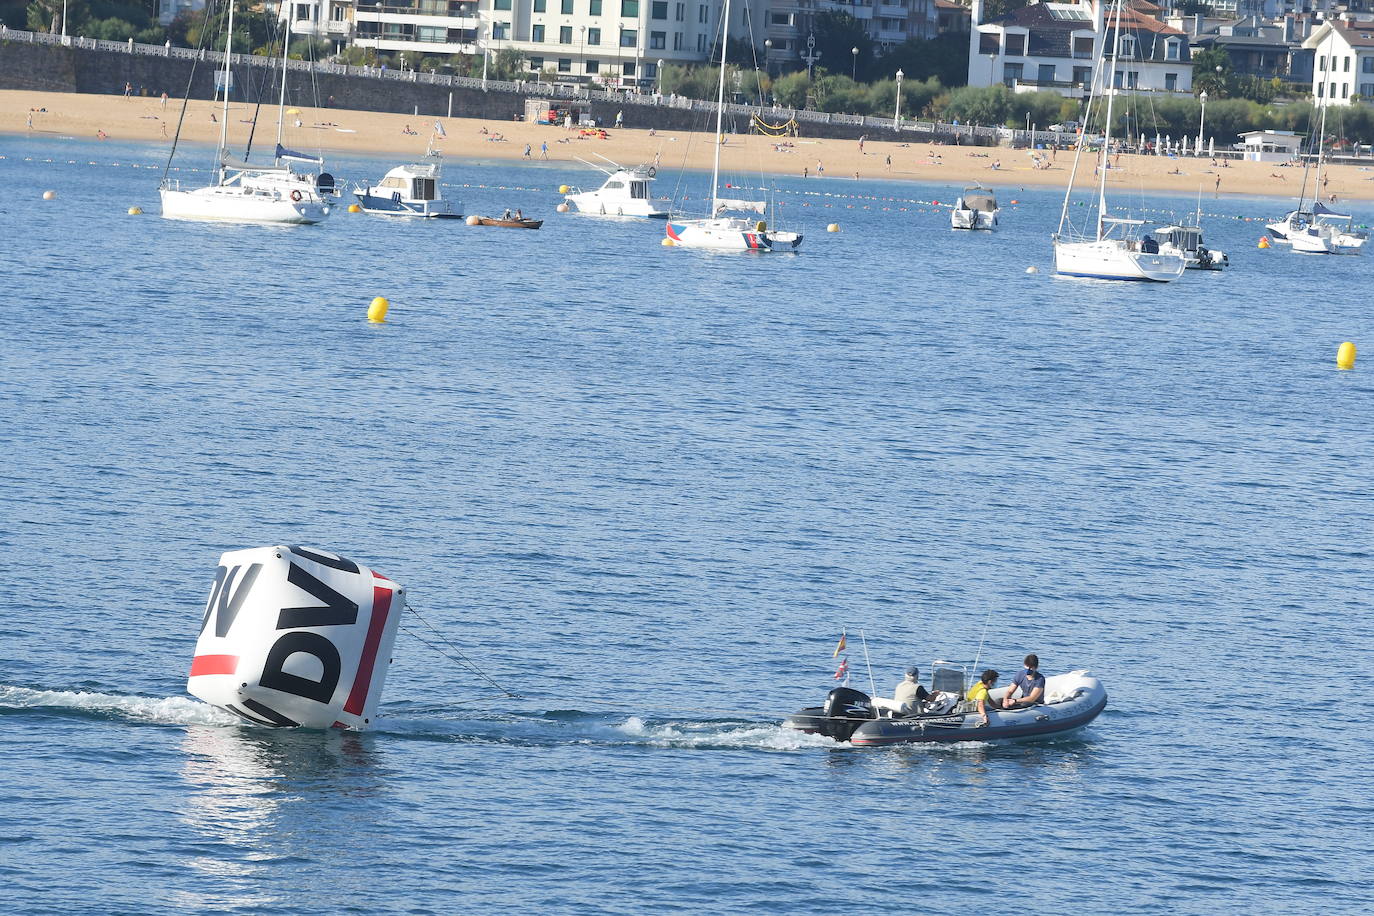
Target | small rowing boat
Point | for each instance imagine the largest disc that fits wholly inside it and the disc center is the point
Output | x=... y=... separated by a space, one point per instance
x=506 y=222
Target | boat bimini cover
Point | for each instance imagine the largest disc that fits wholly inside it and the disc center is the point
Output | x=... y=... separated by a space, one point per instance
x=296 y=636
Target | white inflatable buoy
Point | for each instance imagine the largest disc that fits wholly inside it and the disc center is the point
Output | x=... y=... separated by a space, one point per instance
x=50 y=195
x=1032 y=270
x=474 y=220
x=562 y=208
x=296 y=637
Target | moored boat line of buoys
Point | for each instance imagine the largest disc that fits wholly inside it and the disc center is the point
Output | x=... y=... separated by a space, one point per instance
x=135 y=211
x=833 y=227
x=376 y=312
x=473 y=220
x=667 y=242
x=1264 y=241
x=1345 y=356
x=354 y=208
x=49 y=195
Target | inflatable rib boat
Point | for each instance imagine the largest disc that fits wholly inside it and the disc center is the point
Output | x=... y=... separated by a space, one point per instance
x=1071 y=701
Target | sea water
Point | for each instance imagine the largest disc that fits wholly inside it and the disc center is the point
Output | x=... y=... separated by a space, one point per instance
x=645 y=489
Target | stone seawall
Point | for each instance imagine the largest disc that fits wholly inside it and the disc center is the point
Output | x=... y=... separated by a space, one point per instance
x=56 y=67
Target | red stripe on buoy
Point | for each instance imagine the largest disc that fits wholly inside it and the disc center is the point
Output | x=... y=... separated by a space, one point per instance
x=381 y=606
x=214 y=664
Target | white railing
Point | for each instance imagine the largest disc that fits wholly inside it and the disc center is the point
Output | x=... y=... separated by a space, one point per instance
x=524 y=87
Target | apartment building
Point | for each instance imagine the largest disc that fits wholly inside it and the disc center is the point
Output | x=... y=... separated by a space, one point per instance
x=617 y=43
x=887 y=23
x=1053 y=46
x=1343 y=66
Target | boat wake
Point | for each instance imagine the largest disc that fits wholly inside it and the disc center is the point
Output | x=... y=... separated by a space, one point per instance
x=87 y=704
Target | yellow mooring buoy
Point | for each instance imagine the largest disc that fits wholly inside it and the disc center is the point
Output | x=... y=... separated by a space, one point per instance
x=354 y=208
x=1264 y=241
x=376 y=312
x=135 y=211
x=1345 y=356
x=833 y=227
x=563 y=189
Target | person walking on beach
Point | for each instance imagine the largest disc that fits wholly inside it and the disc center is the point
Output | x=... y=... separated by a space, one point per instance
x=619 y=118
x=128 y=89
x=861 y=145
x=806 y=173
x=164 y=98
x=888 y=163
x=1216 y=191
x=544 y=150
x=527 y=151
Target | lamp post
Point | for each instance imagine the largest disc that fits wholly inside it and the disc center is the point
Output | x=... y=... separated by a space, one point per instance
x=897 y=115
x=582 y=52
x=64 y=18
x=1202 y=119
x=811 y=55
x=854 y=66
x=767 y=53
x=660 y=77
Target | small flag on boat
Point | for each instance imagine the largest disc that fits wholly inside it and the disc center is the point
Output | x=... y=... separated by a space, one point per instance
x=439 y=129
x=843 y=669
x=839 y=648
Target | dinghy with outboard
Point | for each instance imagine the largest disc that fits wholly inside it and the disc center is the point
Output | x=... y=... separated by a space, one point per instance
x=1070 y=702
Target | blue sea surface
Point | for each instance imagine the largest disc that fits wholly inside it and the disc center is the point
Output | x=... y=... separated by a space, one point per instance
x=645 y=489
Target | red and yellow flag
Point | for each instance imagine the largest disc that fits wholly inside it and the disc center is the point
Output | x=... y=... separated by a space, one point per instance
x=839 y=648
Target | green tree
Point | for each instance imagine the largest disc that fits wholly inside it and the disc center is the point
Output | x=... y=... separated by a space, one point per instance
x=980 y=104
x=1212 y=73
x=837 y=35
x=944 y=57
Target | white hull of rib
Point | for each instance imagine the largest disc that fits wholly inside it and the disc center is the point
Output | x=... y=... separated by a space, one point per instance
x=610 y=204
x=1114 y=259
x=234 y=204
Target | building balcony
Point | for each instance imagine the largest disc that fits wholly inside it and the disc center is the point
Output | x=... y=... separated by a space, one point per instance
x=411 y=17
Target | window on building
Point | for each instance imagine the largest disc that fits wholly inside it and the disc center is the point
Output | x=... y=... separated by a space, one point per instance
x=565 y=34
x=1045 y=73
x=594 y=7
x=1345 y=90
x=701 y=44
x=566 y=7
x=1082 y=46
x=536 y=33
x=1171 y=49
x=565 y=65
x=593 y=36
x=1347 y=65
x=1321 y=62
x=780 y=18
x=1082 y=75
x=628 y=38
x=658 y=41
x=1012 y=72
x=1366 y=90
x=701 y=14
x=677 y=41
x=989 y=43
x=338 y=13
x=628 y=68
x=430 y=33
x=629 y=9
x=536 y=63
x=1133 y=79
x=1127 y=48
x=1171 y=82
x=659 y=9
x=500 y=4
x=1331 y=91
x=500 y=31
x=593 y=66
x=541 y=6
x=1016 y=45
x=1320 y=90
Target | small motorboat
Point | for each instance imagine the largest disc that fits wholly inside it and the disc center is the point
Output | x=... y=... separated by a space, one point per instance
x=1187 y=241
x=408 y=190
x=516 y=221
x=625 y=192
x=1072 y=700
x=976 y=208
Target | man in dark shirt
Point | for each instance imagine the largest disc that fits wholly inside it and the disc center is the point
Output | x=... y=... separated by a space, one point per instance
x=1029 y=683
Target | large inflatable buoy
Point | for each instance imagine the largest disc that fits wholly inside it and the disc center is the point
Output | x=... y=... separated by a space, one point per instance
x=296 y=637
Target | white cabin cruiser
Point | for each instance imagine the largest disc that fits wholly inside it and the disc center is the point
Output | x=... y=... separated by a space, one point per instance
x=408 y=190
x=1071 y=701
x=1319 y=230
x=975 y=209
x=1187 y=241
x=625 y=192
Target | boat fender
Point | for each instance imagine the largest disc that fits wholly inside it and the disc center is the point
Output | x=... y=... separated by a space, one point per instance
x=652 y=171
x=296 y=196
x=761 y=226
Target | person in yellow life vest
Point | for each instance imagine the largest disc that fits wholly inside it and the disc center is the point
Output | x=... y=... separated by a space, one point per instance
x=978 y=693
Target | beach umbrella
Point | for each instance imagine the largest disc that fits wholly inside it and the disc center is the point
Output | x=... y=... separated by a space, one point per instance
x=1158 y=149
x=1183 y=147
x=1211 y=146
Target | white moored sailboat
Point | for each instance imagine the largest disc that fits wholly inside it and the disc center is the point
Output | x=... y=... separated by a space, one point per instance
x=1111 y=252
x=246 y=193
x=1318 y=229
x=719 y=230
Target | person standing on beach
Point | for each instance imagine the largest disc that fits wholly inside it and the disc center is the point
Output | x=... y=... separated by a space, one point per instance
x=544 y=150
x=164 y=98
x=806 y=173
x=128 y=89
x=861 y=144
x=889 y=163
x=1217 y=190
x=527 y=151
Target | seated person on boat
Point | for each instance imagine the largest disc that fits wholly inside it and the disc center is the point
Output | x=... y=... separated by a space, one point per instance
x=978 y=693
x=1029 y=682
x=907 y=698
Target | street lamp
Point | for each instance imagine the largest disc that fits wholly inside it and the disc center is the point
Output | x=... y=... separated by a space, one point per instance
x=582 y=53
x=64 y=18
x=854 y=68
x=897 y=115
x=811 y=55
x=768 y=53
x=660 y=77
x=1202 y=119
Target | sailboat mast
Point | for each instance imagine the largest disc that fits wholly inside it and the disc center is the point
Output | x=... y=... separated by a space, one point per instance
x=281 y=101
x=224 y=117
x=720 y=109
x=1110 y=85
x=1321 y=154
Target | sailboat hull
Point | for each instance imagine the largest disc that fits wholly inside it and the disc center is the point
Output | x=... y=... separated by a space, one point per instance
x=1113 y=259
x=730 y=235
x=232 y=204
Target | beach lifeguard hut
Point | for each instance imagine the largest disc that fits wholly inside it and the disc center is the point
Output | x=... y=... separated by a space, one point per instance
x=1271 y=145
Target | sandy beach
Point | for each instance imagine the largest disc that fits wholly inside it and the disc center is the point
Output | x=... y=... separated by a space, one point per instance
x=144 y=119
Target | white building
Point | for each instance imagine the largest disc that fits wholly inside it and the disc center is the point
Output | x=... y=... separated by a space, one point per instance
x=1271 y=145
x=1343 y=67
x=1053 y=46
x=613 y=42
x=327 y=19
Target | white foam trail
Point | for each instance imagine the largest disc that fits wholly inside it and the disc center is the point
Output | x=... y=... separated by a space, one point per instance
x=716 y=734
x=161 y=710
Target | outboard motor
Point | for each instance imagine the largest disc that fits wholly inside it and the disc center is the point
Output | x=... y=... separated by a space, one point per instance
x=847 y=703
